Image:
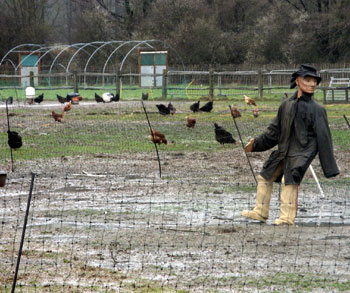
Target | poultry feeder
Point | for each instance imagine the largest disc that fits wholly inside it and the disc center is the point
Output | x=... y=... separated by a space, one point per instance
x=30 y=94
x=2 y=179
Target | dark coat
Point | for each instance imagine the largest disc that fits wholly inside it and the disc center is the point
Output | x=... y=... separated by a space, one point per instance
x=300 y=130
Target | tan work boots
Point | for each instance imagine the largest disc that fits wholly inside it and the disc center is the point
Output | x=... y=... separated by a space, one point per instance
x=262 y=204
x=288 y=209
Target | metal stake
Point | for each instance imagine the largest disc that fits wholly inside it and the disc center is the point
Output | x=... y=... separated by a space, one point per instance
x=321 y=191
x=23 y=234
x=8 y=128
x=347 y=122
x=240 y=138
x=155 y=145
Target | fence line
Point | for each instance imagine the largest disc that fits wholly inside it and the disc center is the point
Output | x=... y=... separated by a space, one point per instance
x=114 y=233
x=181 y=84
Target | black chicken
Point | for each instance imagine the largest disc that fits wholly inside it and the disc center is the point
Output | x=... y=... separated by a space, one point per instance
x=145 y=96
x=164 y=110
x=61 y=99
x=39 y=98
x=207 y=107
x=115 y=98
x=9 y=101
x=195 y=107
x=70 y=96
x=223 y=136
x=14 y=139
x=171 y=108
x=98 y=98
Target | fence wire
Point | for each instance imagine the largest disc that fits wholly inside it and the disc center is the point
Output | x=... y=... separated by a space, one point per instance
x=105 y=233
x=101 y=219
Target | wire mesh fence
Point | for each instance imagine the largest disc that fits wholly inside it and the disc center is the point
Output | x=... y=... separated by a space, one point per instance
x=100 y=218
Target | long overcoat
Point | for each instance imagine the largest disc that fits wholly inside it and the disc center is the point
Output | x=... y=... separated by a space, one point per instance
x=301 y=131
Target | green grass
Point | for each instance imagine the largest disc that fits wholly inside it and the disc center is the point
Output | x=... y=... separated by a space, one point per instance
x=108 y=130
x=297 y=282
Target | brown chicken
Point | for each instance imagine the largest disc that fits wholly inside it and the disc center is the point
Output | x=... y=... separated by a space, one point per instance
x=67 y=107
x=191 y=122
x=256 y=112
x=75 y=100
x=249 y=101
x=57 y=117
x=235 y=113
x=157 y=137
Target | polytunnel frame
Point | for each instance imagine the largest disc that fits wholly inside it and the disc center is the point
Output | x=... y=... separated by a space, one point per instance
x=97 y=49
x=116 y=50
x=16 y=47
x=82 y=46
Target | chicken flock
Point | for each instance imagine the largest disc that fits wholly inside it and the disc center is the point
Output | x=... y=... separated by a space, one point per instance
x=221 y=135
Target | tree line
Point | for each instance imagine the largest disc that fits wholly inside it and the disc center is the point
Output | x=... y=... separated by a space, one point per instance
x=202 y=31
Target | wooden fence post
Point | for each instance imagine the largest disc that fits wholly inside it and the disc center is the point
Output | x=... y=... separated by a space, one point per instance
x=164 y=84
x=260 y=84
x=211 y=83
x=117 y=82
x=31 y=79
x=75 y=81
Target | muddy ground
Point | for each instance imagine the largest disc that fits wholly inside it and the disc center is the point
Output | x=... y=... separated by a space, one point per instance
x=108 y=223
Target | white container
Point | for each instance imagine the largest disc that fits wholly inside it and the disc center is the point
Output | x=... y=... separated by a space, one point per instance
x=30 y=94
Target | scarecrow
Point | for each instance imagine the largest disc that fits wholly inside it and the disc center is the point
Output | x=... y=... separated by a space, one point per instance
x=300 y=131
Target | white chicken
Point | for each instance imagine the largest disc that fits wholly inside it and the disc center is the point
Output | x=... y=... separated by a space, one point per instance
x=107 y=97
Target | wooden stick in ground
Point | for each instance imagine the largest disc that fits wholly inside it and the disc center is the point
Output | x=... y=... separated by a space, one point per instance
x=155 y=145
x=240 y=138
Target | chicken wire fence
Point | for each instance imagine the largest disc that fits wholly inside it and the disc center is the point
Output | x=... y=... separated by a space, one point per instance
x=101 y=219
x=111 y=233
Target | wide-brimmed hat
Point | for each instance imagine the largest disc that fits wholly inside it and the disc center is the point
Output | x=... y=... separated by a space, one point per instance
x=304 y=70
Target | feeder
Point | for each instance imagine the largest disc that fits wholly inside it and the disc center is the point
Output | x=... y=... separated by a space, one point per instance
x=30 y=94
x=2 y=179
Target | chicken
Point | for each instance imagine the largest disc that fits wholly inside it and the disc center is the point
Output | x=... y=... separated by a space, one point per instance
x=249 y=101
x=164 y=110
x=235 y=113
x=171 y=108
x=98 y=98
x=57 y=117
x=115 y=98
x=191 y=122
x=67 y=107
x=39 y=98
x=14 y=139
x=157 y=137
x=207 y=107
x=61 y=99
x=70 y=96
x=195 y=107
x=222 y=136
x=145 y=96
x=9 y=101
x=256 y=113
x=75 y=100
x=107 y=97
